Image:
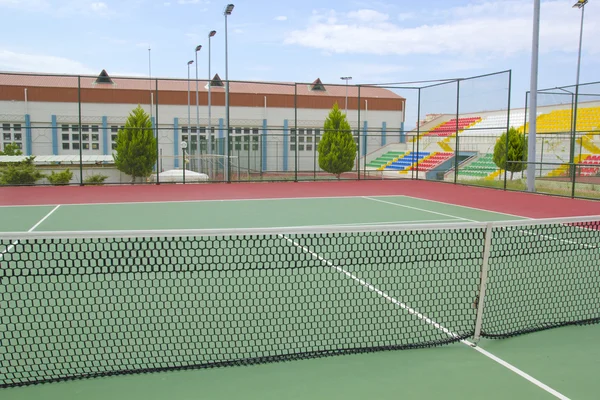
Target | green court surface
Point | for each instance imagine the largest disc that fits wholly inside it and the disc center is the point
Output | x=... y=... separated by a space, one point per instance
x=561 y=362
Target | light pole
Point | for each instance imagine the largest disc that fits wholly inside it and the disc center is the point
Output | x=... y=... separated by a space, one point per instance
x=197 y=110
x=533 y=93
x=346 y=78
x=209 y=133
x=188 y=118
x=581 y=5
x=227 y=12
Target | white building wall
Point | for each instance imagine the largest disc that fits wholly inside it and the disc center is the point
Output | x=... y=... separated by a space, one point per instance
x=67 y=125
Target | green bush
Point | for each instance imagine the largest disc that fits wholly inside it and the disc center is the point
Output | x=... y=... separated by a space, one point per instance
x=514 y=159
x=60 y=178
x=136 y=146
x=20 y=173
x=95 y=179
x=11 y=149
x=337 y=149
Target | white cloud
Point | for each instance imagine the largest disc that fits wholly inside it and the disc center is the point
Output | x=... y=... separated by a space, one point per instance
x=167 y=4
x=493 y=28
x=188 y=1
x=368 y=16
x=33 y=5
x=281 y=18
x=12 y=61
x=99 y=7
x=238 y=30
x=406 y=16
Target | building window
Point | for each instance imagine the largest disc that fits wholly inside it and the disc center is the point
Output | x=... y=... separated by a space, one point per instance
x=95 y=146
x=7 y=136
x=17 y=136
x=17 y=127
x=75 y=128
x=85 y=128
x=6 y=127
x=75 y=136
x=86 y=146
x=95 y=137
x=184 y=129
x=66 y=146
x=65 y=136
x=94 y=128
x=113 y=146
x=114 y=129
x=65 y=128
x=75 y=146
x=85 y=137
x=309 y=147
x=113 y=138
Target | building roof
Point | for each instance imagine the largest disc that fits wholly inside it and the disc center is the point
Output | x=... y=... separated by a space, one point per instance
x=86 y=159
x=181 y=85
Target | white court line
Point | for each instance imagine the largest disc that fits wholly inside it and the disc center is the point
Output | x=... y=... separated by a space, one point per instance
x=405 y=222
x=524 y=231
x=12 y=246
x=201 y=201
x=418 y=209
x=428 y=320
x=458 y=205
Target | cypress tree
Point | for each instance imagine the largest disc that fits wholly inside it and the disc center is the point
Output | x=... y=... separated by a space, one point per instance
x=337 y=149
x=136 y=145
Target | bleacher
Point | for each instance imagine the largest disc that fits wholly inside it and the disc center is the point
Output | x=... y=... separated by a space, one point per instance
x=592 y=165
x=559 y=121
x=382 y=161
x=448 y=128
x=482 y=167
x=406 y=161
x=435 y=159
x=495 y=125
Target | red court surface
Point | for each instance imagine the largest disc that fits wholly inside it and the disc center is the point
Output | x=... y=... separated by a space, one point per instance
x=517 y=203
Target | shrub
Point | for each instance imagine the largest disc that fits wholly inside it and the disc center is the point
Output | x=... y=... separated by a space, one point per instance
x=60 y=178
x=95 y=179
x=20 y=173
x=516 y=155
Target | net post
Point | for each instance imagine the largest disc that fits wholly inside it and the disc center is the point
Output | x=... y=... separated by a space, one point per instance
x=483 y=281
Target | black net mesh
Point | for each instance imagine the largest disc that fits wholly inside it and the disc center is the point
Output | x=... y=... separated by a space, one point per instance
x=542 y=276
x=82 y=307
x=88 y=307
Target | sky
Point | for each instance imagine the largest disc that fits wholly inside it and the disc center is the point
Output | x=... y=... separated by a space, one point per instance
x=298 y=41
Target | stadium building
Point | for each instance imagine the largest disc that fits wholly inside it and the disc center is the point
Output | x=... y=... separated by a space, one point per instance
x=273 y=125
x=275 y=128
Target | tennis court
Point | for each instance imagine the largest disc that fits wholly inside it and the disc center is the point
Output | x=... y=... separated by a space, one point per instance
x=325 y=283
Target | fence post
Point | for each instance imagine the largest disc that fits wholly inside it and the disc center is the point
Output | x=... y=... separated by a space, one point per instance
x=358 y=147
x=456 y=143
x=483 y=281
x=80 y=141
x=158 y=169
x=296 y=132
x=418 y=127
x=508 y=127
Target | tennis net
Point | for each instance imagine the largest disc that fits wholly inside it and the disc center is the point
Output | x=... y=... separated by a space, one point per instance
x=90 y=304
